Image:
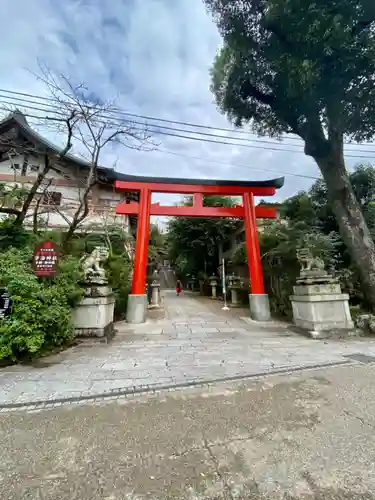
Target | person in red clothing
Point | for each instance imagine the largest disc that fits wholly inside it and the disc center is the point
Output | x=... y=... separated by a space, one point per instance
x=178 y=287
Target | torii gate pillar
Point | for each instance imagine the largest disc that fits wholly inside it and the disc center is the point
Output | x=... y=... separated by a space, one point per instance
x=259 y=303
x=137 y=300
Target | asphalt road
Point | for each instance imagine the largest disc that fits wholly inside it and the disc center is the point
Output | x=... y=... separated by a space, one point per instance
x=308 y=436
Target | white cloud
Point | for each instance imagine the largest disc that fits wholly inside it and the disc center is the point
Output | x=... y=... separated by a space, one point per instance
x=155 y=56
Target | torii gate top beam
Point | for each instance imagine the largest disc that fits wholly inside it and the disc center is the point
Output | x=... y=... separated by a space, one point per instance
x=203 y=186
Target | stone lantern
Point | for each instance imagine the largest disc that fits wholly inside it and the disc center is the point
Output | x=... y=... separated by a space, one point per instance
x=155 y=291
x=234 y=285
x=155 y=294
x=213 y=284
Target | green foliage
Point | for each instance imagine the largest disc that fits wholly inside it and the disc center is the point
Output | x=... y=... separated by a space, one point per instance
x=362 y=180
x=299 y=208
x=42 y=309
x=109 y=234
x=305 y=68
x=119 y=269
x=194 y=242
x=279 y=244
x=290 y=66
x=11 y=235
x=157 y=249
x=12 y=196
x=309 y=221
x=315 y=207
x=41 y=313
x=240 y=256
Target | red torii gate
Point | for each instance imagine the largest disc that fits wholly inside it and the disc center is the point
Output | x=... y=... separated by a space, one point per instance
x=137 y=303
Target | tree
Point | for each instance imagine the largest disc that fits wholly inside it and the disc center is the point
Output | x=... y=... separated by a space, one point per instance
x=305 y=68
x=16 y=201
x=195 y=243
x=109 y=232
x=299 y=208
x=96 y=127
x=82 y=120
x=157 y=250
x=362 y=180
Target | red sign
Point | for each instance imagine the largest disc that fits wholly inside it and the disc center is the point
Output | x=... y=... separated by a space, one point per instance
x=45 y=259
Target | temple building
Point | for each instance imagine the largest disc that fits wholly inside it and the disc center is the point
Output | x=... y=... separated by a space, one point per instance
x=21 y=159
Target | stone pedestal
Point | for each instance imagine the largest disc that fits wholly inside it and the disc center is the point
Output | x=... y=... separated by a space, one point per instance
x=93 y=316
x=213 y=285
x=137 y=309
x=319 y=307
x=234 y=302
x=155 y=295
x=259 y=307
x=234 y=287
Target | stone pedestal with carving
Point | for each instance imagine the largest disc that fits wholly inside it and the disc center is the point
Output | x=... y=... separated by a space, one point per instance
x=319 y=306
x=93 y=317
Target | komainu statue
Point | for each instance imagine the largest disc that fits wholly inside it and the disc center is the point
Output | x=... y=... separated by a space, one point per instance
x=92 y=265
x=308 y=262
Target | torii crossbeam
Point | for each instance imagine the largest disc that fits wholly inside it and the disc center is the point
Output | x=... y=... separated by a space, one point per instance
x=137 y=303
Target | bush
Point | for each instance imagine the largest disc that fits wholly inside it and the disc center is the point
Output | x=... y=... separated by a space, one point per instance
x=118 y=267
x=42 y=308
x=13 y=236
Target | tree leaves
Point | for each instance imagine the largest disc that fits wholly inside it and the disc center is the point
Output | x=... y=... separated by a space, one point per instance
x=195 y=242
x=41 y=311
x=289 y=66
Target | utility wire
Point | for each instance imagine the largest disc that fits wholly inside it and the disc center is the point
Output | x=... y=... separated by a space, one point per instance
x=237 y=165
x=219 y=162
x=161 y=132
x=125 y=113
x=18 y=101
x=115 y=111
x=157 y=128
x=182 y=136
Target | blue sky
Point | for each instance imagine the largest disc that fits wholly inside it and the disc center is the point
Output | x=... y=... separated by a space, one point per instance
x=154 y=56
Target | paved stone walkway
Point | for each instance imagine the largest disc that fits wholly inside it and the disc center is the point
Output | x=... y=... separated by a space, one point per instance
x=196 y=342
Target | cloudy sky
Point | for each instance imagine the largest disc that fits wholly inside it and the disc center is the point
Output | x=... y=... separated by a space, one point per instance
x=154 y=57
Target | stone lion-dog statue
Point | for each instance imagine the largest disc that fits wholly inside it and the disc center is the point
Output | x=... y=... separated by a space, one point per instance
x=92 y=265
x=308 y=262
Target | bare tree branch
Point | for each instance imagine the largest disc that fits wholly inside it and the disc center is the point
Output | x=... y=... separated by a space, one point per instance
x=36 y=209
x=9 y=211
x=86 y=122
x=46 y=168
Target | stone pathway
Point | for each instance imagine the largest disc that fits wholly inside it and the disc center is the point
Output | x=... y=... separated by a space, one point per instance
x=196 y=342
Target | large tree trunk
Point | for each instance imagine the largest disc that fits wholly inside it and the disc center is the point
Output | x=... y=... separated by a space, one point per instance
x=350 y=219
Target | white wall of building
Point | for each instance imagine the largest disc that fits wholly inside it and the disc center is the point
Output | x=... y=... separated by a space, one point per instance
x=102 y=203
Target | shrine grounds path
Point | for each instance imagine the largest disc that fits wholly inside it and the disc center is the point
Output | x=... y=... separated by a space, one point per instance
x=192 y=342
x=252 y=412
